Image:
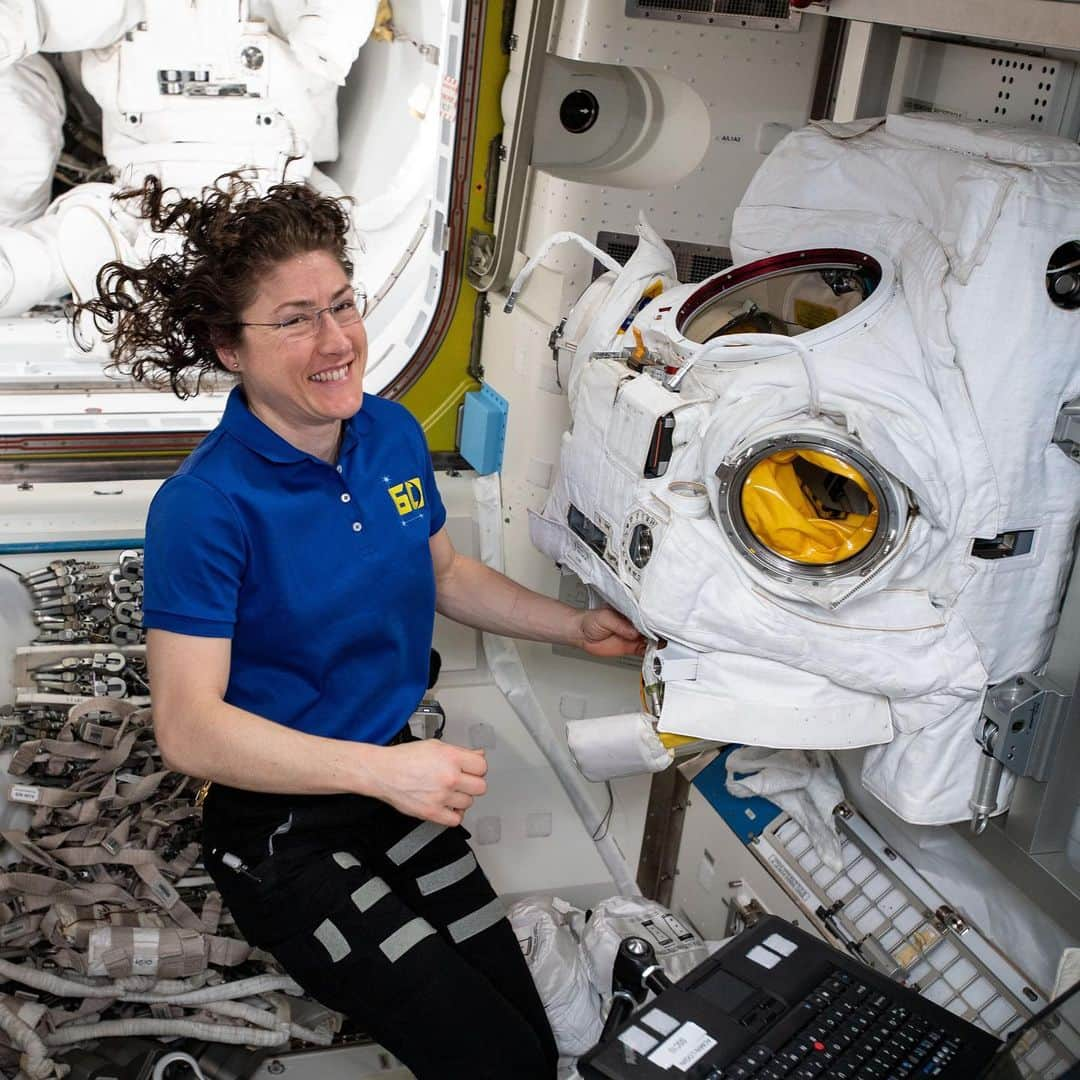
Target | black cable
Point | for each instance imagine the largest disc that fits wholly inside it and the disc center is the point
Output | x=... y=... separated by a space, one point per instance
x=4 y=566
x=605 y=821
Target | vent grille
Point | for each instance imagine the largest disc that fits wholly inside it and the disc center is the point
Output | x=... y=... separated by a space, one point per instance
x=678 y=5
x=755 y=9
x=693 y=262
x=753 y=14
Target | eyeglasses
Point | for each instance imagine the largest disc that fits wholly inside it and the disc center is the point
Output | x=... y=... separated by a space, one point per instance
x=347 y=311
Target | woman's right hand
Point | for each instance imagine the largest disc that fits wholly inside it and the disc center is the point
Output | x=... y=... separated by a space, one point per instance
x=431 y=780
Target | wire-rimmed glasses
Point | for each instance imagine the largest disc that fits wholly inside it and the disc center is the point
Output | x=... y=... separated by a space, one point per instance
x=346 y=311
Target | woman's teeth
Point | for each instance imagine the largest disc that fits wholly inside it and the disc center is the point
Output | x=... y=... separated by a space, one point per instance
x=333 y=375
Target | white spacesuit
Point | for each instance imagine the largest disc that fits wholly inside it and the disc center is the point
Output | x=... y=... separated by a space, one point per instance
x=826 y=477
x=187 y=91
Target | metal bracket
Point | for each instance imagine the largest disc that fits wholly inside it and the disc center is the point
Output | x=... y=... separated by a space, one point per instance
x=495 y=271
x=554 y=338
x=1067 y=429
x=947 y=919
x=1027 y=712
x=481 y=254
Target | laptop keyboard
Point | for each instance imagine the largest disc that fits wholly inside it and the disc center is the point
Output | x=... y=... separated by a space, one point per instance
x=848 y=1031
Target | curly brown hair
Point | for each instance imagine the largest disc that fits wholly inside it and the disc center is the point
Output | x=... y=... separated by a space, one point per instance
x=165 y=319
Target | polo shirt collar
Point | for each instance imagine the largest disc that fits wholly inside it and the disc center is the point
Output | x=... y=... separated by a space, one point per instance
x=240 y=422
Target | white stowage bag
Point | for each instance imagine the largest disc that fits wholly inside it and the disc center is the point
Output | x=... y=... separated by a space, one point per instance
x=679 y=949
x=606 y=747
x=544 y=929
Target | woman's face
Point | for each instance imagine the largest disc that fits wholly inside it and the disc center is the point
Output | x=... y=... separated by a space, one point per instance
x=298 y=382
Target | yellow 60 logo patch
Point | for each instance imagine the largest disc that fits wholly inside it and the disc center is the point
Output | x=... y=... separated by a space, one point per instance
x=408 y=496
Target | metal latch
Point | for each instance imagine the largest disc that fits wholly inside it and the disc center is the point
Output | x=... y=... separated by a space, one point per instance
x=1019 y=728
x=555 y=342
x=1067 y=429
x=1027 y=712
x=947 y=919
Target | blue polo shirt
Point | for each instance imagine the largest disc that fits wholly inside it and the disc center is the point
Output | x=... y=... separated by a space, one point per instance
x=320 y=574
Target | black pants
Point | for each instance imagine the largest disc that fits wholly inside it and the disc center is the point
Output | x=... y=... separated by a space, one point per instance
x=386 y=919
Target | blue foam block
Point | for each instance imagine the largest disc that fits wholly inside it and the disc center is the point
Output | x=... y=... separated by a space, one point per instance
x=483 y=429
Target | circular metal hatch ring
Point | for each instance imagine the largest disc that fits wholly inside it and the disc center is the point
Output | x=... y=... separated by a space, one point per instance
x=825 y=262
x=892 y=500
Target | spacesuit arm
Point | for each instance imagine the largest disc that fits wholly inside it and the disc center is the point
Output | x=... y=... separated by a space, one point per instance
x=471 y=593
x=326 y=35
x=202 y=735
x=31 y=26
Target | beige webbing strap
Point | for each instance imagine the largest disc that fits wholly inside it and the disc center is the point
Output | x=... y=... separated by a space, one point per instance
x=227 y=952
x=33 y=795
x=31 y=852
x=76 y=835
x=69 y=960
x=37 y=751
x=122 y=710
x=162 y=893
x=30 y=887
x=116 y=839
x=16 y=930
x=56 y=922
x=99 y=855
x=114 y=757
x=211 y=911
x=184 y=861
x=97 y=734
x=140 y=790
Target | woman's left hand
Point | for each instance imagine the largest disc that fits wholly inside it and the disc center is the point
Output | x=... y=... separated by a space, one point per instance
x=604 y=632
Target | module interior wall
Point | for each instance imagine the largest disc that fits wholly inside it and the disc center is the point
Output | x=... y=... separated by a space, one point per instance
x=755 y=85
x=509 y=823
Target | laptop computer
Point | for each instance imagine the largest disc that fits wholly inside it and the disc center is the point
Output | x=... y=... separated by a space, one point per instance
x=776 y=1002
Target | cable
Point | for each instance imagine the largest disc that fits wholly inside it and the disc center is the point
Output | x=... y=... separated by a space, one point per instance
x=609 y=262
x=4 y=566
x=605 y=821
x=736 y=340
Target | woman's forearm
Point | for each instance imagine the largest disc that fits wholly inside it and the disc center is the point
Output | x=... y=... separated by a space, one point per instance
x=472 y=593
x=217 y=741
x=427 y=779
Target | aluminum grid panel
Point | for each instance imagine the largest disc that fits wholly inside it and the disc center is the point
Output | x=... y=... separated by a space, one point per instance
x=889 y=917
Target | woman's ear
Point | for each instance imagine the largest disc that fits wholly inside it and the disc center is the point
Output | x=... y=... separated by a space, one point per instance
x=228 y=355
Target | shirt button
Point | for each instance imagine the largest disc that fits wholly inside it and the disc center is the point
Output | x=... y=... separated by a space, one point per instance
x=339 y=468
x=345 y=496
x=356 y=526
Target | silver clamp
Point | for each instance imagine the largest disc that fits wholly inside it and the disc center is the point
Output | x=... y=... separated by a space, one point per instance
x=1018 y=730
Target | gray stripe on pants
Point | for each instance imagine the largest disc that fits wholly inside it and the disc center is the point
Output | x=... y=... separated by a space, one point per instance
x=447 y=875
x=414 y=841
x=370 y=893
x=478 y=921
x=346 y=859
x=401 y=941
x=333 y=940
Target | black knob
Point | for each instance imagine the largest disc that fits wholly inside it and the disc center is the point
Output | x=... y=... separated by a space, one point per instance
x=578 y=111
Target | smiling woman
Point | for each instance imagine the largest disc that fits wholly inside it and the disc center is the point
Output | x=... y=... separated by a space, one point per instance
x=303 y=351
x=215 y=255
x=334 y=836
